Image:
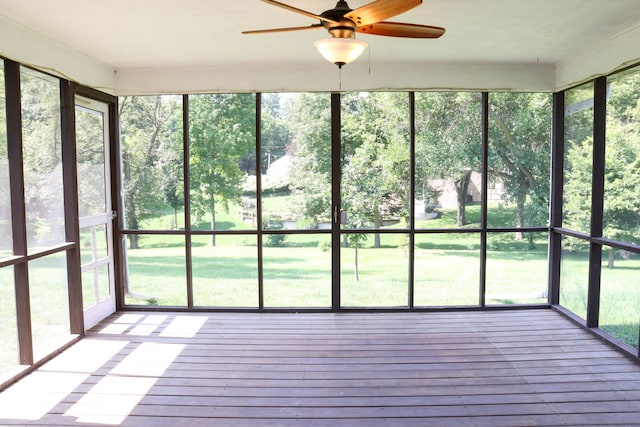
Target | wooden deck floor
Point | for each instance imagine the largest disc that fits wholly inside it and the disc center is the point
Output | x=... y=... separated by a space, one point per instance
x=514 y=368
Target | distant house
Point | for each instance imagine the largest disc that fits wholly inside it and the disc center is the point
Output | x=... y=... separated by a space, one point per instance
x=448 y=197
x=280 y=168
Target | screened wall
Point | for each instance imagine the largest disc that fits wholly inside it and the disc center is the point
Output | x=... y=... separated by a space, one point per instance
x=358 y=200
x=301 y=201
x=40 y=274
x=37 y=255
x=597 y=231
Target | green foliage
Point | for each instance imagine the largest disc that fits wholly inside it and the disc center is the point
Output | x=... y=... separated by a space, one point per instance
x=448 y=143
x=42 y=157
x=324 y=245
x=520 y=152
x=375 y=158
x=151 y=138
x=309 y=117
x=274 y=222
x=578 y=158
x=275 y=130
x=577 y=185
x=622 y=162
x=222 y=134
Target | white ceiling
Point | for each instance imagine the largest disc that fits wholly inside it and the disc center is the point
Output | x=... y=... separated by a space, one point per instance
x=206 y=34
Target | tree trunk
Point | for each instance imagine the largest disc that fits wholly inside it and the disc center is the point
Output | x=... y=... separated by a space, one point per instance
x=133 y=241
x=212 y=212
x=462 y=187
x=129 y=201
x=612 y=257
x=357 y=275
x=378 y=224
x=522 y=196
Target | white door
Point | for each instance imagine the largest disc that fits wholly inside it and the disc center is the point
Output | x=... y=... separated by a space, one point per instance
x=94 y=207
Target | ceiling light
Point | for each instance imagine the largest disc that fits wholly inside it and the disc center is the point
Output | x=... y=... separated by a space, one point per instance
x=340 y=50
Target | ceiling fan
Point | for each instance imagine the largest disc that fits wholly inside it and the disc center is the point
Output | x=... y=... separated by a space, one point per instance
x=342 y=22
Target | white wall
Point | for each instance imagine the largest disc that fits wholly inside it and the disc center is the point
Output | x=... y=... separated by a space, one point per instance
x=601 y=59
x=354 y=77
x=30 y=48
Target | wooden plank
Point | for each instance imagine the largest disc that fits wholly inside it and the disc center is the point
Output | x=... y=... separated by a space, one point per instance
x=348 y=369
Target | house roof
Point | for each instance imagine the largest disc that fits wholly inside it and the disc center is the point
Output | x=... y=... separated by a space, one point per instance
x=142 y=46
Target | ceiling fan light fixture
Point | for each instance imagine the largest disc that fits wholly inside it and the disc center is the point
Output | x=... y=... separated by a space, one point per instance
x=340 y=50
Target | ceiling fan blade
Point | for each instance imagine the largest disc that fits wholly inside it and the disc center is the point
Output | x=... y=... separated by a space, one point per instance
x=285 y=29
x=300 y=11
x=380 y=10
x=397 y=29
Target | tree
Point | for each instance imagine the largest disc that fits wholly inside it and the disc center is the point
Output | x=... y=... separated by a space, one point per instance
x=222 y=134
x=362 y=188
x=519 y=150
x=150 y=130
x=448 y=143
x=42 y=154
x=622 y=162
x=275 y=130
x=170 y=163
x=578 y=134
x=577 y=185
x=375 y=157
x=90 y=159
x=309 y=118
x=622 y=180
x=622 y=169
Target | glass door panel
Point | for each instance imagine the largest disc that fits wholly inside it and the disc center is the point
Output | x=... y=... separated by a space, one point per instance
x=94 y=207
x=295 y=197
x=375 y=193
x=42 y=160
x=298 y=274
x=374 y=276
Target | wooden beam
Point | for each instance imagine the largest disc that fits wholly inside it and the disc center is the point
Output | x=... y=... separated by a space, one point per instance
x=18 y=211
x=557 y=188
x=336 y=173
x=597 y=199
x=484 y=199
x=70 y=189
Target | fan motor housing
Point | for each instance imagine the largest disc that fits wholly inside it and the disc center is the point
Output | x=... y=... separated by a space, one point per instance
x=344 y=29
x=341 y=27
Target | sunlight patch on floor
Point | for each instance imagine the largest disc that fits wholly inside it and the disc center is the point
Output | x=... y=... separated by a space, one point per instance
x=56 y=379
x=148 y=360
x=87 y=356
x=21 y=403
x=184 y=327
x=112 y=399
x=148 y=325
